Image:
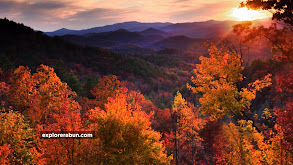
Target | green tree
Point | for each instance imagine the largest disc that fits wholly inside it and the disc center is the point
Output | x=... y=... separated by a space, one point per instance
x=69 y=77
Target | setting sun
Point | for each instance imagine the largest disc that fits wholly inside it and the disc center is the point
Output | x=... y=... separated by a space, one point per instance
x=244 y=14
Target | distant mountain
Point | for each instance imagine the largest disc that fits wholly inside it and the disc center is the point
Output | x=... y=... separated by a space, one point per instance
x=205 y=29
x=178 y=42
x=61 y=32
x=131 y=26
x=113 y=39
x=123 y=40
x=153 y=31
x=120 y=36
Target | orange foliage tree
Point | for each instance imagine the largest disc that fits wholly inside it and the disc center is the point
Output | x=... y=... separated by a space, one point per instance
x=21 y=89
x=125 y=135
x=108 y=86
x=50 y=105
x=54 y=109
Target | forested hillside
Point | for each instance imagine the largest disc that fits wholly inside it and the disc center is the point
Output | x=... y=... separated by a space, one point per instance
x=21 y=45
x=216 y=105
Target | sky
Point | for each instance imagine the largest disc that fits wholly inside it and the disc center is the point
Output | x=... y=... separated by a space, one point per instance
x=50 y=15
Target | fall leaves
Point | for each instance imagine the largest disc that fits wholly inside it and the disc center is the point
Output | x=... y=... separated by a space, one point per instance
x=217 y=78
x=16 y=139
x=242 y=140
x=41 y=102
x=126 y=134
x=130 y=129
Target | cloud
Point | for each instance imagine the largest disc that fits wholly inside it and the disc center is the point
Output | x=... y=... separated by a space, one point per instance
x=178 y=1
x=24 y=6
x=37 y=13
x=96 y=17
x=48 y=5
x=98 y=13
x=57 y=14
x=203 y=12
x=76 y=14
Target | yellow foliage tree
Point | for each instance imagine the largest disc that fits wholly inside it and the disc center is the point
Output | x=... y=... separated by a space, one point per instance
x=186 y=125
x=217 y=79
x=244 y=145
x=16 y=139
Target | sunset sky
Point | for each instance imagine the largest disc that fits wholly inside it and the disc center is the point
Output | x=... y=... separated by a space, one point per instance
x=49 y=15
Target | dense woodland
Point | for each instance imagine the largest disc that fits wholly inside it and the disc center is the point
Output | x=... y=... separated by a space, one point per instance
x=173 y=107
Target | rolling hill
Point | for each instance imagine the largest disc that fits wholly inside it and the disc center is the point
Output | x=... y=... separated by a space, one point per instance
x=21 y=45
x=154 y=32
x=113 y=39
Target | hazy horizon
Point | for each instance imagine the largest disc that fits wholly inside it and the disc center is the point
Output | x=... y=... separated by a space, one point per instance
x=52 y=15
x=138 y=22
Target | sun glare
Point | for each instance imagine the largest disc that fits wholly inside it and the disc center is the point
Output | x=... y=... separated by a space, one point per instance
x=244 y=14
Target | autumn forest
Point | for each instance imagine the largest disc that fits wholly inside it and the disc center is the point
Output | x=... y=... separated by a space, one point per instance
x=226 y=99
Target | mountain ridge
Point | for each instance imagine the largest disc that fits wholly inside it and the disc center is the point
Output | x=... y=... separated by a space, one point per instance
x=201 y=29
x=124 y=25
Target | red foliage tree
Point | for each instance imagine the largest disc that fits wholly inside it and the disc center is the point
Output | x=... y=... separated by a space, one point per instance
x=285 y=114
